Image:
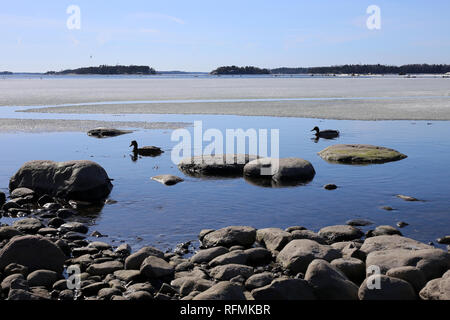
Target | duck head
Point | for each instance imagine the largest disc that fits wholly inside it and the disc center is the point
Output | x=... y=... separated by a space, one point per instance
x=316 y=129
x=134 y=144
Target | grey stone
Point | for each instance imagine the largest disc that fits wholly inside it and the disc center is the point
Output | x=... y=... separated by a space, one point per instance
x=389 y=289
x=285 y=289
x=385 y=230
x=273 y=238
x=359 y=222
x=102 y=269
x=8 y=232
x=106 y=132
x=354 y=269
x=437 y=289
x=44 y=278
x=21 y=193
x=168 y=179
x=259 y=280
x=308 y=234
x=386 y=242
x=194 y=284
x=154 y=267
x=134 y=260
x=413 y=275
x=340 y=233
x=28 y=225
x=236 y=257
x=224 y=290
x=127 y=275
x=74 y=226
x=107 y=293
x=258 y=256
x=229 y=271
x=216 y=165
x=360 y=154
x=205 y=256
x=230 y=236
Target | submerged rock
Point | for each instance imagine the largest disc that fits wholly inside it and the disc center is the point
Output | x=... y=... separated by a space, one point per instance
x=168 y=179
x=75 y=180
x=227 y=165
x=360 y=154
x=106 y=132
x=340 y=233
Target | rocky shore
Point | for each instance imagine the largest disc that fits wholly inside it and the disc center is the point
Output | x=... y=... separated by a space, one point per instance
x=40 y=251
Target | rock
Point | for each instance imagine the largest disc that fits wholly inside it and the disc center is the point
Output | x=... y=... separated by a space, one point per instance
x=9 y=205
x=22 y=295
x=93 y=288
x=402 y=224
x=127 y=275
x=107 y=293
x=280 y=170
x=285 y=289
x=340 y=233
x=224 y=290
x=217 y=165
x=99 y=245
x=354 y=269
x=359 y=222
x=229 y=271
x=308 y=234
x=298 y=254
x=34 y=252
x=273 y=238
x=380 y=243
x=75 y=180
x=294 y=228
x=47 y=231
x=230 y=236
x=6 y=283
x=203 y=233
x=60 y=285
x=42 y=278
x=432 y=262
x=360 y=154
x=55 y=222
x=144 y=286
x=235 y=257
x=184 y=266
x=259 y=280
x=205 y=256
x=387 y=208
x=330 y=283
x=193 y=284
x=139 y=296
x=28 y=225
x=352 y=250
x=330 y=186
x=104 y=268
x=15 y=268
x=106 y=132
x=154 y=267
x=21 y=193
x=444 y=240
x=412 y=275
x=2 y=199
x=66 y=295
x=437 y=289
x=407 y=198
x=134 y=261
x=390 y=289
x=385 y=230
x=168 y=179
x=8 y=232
x=74 y=226
x=65 y=213
x=258 y=256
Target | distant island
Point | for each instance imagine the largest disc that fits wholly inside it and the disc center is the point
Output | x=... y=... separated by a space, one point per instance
x=368 y=69
x=234 y=70
x=105 y=70
x=5 y=72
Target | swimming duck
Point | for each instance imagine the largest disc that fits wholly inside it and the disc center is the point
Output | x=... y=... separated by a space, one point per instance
x=145 y=151
x=326 y=134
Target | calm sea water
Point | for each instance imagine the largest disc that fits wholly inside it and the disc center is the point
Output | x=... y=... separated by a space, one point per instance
x=148 y=213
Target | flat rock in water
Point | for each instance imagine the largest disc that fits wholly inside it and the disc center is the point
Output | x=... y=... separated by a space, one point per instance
x=168 y=179
x=359 y=222
x=340 y=233
x=230 y=236
x=106 y=132
x=285 y=171
x=407 y=198
x=360 y=154
x=231 y=165
x=75 y=180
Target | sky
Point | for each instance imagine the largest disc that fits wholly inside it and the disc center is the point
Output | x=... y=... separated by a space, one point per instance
x=203 y=35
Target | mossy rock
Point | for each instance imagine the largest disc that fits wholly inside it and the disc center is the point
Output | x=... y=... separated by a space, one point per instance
x=360 y=154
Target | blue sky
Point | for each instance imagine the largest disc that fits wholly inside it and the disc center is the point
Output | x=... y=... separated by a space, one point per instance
x=202 y=35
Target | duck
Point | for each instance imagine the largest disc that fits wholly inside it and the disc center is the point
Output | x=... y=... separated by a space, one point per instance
x=145 y=151
x=326 y=134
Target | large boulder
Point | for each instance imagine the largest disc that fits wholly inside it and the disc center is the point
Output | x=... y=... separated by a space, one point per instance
x=76 y=180
x=354 y=269
x=387 y=242
x=285 y=289
x=215 y=165
x=389 y=289
x=437 y=289
x=340 y=233
x=280 y=171
x=273 y=238
x=33 y=252
x=298 y=254
x=330 y=283
x=230 y=236
x=360 y=154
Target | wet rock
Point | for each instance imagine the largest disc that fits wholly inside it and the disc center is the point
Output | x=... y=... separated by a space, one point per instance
x=308 y=234
x=72 y=236
x=330 y=186
x=73 y=226
x=168 y=179
x=217 y=165
x=387 y=208
x=135 y=260
x=359 y=222
x=329 y=282
x=402 y=224
x=154 y=268
x=55 y=222
x=124 y=249
x=285 y=289
x=224 y=290
x=65 y=213
x=273 y=238
x=437 y=289
x=205 y=256
x=143 y=286
x=8 y=232
x=298 y=254
x=99 y=245
x=102 y=269
x=34 y=252
x=340 y=233
x=412 y=275
x=235 y=257
x=44 y=278
x=106 y=132
x=354 y=269
x=259 y=280
x=28 y=225
x=76 y=180
x=47 y=231
x=385 y=230
x=230 y=236
x=60 y=285
x=203 y=233
x=280 y=170
x=360 y=154
x=444 y=240
x=11 y=205
x=229 y=271
x=389 y=289
x=184 y=266
x=407 y=198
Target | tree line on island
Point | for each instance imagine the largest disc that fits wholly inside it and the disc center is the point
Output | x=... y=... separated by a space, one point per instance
x=109 y=70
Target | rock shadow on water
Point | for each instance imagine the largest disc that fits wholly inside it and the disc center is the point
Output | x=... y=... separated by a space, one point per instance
x=271 y=183
x=101 y=133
